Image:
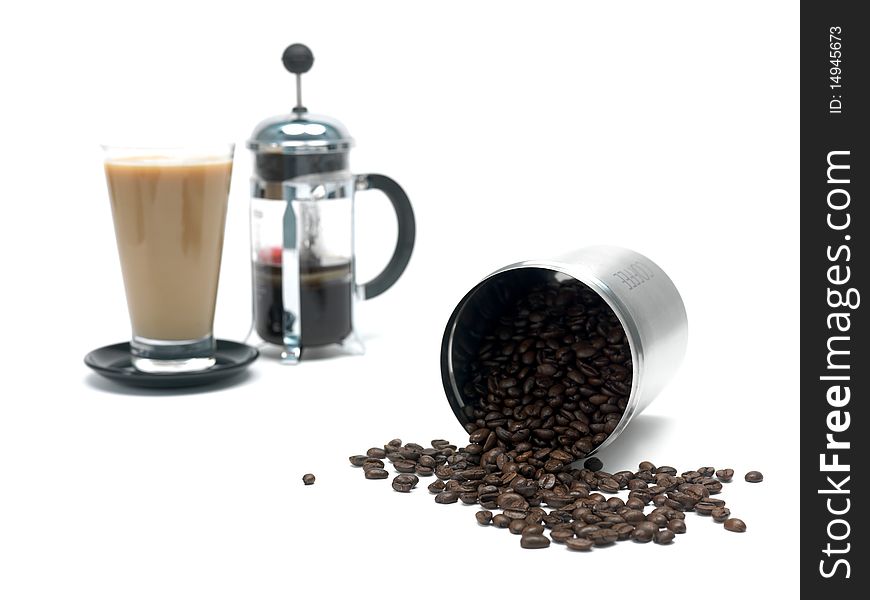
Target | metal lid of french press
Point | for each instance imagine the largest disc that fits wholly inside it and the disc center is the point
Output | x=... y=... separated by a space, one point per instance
x=300 y=132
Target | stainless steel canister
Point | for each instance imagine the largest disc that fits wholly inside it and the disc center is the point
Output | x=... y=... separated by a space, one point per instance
x=640 y=293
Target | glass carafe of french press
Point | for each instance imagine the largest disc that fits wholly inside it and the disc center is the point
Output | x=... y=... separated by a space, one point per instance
x=302 y=229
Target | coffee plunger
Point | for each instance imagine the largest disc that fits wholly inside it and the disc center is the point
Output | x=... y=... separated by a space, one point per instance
x=302 y=229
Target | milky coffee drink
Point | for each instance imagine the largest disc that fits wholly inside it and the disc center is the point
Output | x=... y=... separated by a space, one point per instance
x=169 y=218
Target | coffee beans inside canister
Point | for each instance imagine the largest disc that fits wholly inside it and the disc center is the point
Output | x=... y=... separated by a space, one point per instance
x=593 y=464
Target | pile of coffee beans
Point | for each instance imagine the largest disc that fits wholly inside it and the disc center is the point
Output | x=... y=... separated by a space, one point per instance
x=554 y=372
x=578 y=514
x=550 y=383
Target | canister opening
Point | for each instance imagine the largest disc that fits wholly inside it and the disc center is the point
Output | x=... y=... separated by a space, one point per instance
x=480 y=313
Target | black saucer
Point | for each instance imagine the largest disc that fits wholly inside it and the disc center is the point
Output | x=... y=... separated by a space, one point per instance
x=232 y=358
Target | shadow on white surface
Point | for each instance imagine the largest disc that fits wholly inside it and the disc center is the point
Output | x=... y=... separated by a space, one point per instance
x=99 y=383
x=645 y=432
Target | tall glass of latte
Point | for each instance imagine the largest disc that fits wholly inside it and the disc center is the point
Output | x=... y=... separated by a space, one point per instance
x=169 y=206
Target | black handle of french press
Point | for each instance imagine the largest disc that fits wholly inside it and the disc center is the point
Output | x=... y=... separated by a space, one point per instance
x=407 y=233
x=297 y=58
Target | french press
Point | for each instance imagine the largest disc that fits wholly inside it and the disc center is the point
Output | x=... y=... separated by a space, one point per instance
x=302 y=228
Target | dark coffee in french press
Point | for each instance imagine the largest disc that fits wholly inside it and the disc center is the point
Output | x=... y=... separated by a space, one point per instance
x=325 y=294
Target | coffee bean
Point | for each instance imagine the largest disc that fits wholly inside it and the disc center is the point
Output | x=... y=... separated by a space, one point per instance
x=547 y=481
x=642 y=535
x=405 y=483
x=533 y=529
x=358 y=460
x=696 y=490
x=593 y=464
x=659 y=519
x=443 y=472
x=405 y=466
x=735 y=525
x=609 y=485
x=720 y=514
x=428 y=462
x=664 y=536
x=512 y=500
x=534 y=542
x=515 y=513
x=677 y=525
x=436 y=486
x=713 y=486
x=580 y=544
x=754 y=477
x=705 y=508
x=547 y=370
x=376 y=473
x=376 y=453
x=561 y=536
x=446 y=497
x=603 y=537
x=423 y=471
x=691 y=475
x=372 y=463
x=623 y=530
x=484 y=517
x=635 y=504
x=501 y=521
x=308 y=479
x=468 y=497
x=633 y=516
x=516 y=526
x=725 y=474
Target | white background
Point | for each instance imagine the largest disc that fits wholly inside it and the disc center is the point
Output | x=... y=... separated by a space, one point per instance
x=519 y=131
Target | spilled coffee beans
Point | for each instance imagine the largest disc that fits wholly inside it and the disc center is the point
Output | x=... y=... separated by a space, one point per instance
x=405 y=483
x=754 y=477
x=583 y=510
x=735 y=525
x=547 y=385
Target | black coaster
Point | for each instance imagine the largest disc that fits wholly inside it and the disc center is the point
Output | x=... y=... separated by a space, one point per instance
x=113 y=362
